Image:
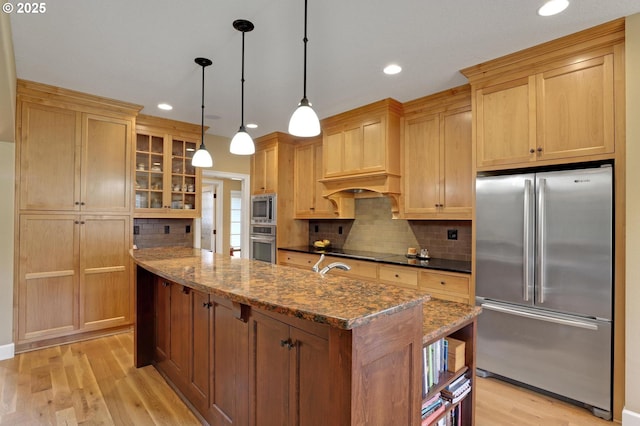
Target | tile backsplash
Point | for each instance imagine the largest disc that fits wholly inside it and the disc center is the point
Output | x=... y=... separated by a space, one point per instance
x=162 y=232
x=374 y=230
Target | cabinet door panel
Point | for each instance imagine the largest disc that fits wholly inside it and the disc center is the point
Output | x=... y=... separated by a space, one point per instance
x=323 y=207
x=373 y=148
x=49 y=166
x=505 y=123
x=199 y=372
x=106 y=164
x=352 y=160
x=269 y=376
x=48 y=278
x=456 y=162
x=229 y=393
x=271 y=169
x=576 y=109
x=309 y=369
x=180 y=325
x=422 y=164
x=333 y=153
x=105 y=291
x=304 y=180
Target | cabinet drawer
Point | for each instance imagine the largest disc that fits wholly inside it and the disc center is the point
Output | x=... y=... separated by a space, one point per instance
x=398 y=275
x=442 y=282
x=302 y=260
x=359 y=268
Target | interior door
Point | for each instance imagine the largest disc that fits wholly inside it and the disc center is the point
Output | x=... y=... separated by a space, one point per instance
x=207 y=241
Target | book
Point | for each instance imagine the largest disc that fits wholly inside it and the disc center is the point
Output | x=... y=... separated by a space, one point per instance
x=431 y=418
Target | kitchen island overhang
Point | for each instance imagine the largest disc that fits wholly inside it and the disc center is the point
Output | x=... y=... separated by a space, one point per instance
x=370 y=339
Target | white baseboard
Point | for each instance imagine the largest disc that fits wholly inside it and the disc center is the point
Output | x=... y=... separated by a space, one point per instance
x=7 y=351
x=630 y=418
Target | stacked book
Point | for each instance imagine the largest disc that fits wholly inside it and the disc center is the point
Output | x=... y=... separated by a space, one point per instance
x=457 y=390
x=432 y=409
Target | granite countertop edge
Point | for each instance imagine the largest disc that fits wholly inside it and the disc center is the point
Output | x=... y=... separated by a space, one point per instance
x=441 y=317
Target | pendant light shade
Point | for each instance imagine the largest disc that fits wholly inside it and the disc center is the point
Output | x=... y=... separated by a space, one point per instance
x=304 y=121
x=242 y=144
x=202 y=158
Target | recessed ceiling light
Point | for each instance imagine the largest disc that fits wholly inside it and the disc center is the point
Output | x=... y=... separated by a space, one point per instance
x=252 y=126
x=165 y=107
x=553 y=7
x=392 y=69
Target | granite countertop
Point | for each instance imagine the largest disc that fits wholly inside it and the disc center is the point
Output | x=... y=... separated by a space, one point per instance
x=338 y=301
x=389 y=258
x=441 y=317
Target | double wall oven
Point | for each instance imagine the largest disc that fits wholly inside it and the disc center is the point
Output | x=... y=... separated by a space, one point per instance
x=263 y=228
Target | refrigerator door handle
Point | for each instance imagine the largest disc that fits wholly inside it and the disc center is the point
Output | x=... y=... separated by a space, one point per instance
x=526 y=264
x=542 y=186
x=525 y=314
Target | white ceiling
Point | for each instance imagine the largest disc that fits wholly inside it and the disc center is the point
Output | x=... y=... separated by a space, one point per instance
x=143 y=51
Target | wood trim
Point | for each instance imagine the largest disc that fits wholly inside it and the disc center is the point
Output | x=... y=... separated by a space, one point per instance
x=384 y=106
x=605 y=35
x=149 y=123
x=51 y=95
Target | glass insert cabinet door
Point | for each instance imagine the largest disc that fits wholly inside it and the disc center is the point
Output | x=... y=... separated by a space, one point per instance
x=164 y=176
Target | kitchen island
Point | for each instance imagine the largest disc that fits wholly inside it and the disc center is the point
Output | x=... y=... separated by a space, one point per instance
x=246 y=342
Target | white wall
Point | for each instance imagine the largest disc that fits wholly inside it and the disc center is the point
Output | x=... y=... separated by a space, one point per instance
x=631 y=414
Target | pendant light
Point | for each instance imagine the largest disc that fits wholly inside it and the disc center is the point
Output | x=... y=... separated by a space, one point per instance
x=304 y=121
x=242 y=144
x=202 y=158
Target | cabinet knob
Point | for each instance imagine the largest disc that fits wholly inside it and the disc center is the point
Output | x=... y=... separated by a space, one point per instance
x=82 y=203
x=443 y=282
x=397 y=276
x=207 y=305
x=82 y=222
x=77 y=222
x=185 y=290
x=77 y=203
x=539 y=149
x=287 y=343
x=165 y=284
x=531 y=151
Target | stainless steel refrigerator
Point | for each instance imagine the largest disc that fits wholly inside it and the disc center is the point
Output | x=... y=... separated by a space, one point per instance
x=544 y=277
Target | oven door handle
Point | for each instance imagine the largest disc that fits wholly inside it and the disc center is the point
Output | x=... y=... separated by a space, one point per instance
x=260 y=238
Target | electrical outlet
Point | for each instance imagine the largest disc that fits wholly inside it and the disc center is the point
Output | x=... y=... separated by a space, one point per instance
x=452 y=234
x=166 y=229
x=316 y=228
x=136 y=230
x=340 y=230
x=188 y=229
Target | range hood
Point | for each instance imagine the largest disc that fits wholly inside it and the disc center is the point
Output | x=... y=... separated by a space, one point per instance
x=343 y=191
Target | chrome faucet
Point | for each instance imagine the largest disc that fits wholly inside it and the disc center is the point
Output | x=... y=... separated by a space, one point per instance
x=338 y=265
x=316 y=267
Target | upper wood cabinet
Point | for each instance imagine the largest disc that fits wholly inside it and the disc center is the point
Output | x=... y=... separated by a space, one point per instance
x=264 y=170
x=551 y=104
x=309 y=202
x=436 y=146
x=362 y=142
x=166 y=184
x=70 y=158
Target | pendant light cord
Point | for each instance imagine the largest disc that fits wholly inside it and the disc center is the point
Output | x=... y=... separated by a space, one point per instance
x=202 y=111
x=305 y=40
x=242 y=89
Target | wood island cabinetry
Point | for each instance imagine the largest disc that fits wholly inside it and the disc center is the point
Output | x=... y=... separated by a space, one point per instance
x=73 y=214
x=166 y=184
x=436 y=146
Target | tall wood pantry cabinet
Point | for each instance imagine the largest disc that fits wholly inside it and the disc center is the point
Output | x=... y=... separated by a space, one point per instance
x=73 y=214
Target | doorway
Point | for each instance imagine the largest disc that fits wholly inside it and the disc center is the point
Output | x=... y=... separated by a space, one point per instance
x=216 y=188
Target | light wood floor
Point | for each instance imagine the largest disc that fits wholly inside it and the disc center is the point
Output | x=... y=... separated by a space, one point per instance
x=95 y=383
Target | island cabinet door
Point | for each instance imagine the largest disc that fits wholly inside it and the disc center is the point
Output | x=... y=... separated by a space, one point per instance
x=229 y=360
x=162 y=309
x=176 y=366
x=289 y=380
x=199 y=357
